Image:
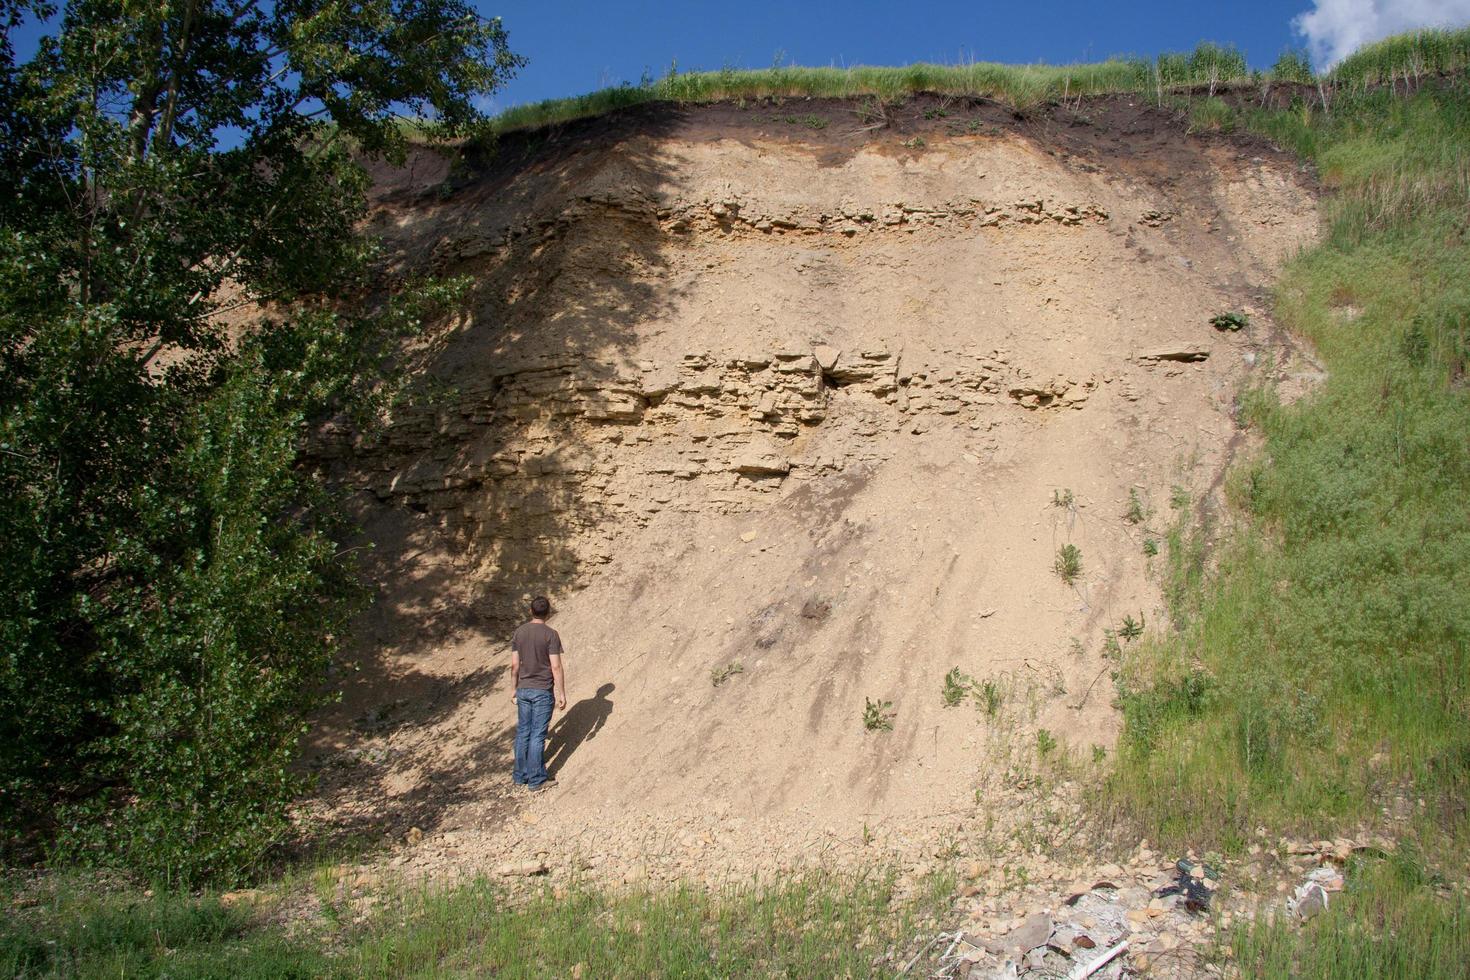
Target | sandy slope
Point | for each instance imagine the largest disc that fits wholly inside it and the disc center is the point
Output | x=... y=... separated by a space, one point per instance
x=738 y=391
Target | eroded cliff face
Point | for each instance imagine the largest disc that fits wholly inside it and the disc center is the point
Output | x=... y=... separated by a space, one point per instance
x=811 y=406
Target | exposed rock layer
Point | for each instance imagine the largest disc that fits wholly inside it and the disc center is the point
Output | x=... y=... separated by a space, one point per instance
x=811 y=413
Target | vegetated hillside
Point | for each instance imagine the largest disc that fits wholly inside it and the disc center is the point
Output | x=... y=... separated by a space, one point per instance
x=1319 y=677
x=794 y=407
x=1317 y=683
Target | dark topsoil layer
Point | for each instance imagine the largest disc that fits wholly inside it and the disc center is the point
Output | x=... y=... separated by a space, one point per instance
x=1122 y=132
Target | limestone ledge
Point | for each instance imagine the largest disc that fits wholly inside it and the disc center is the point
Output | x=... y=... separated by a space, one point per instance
x=734 y=215
x=572 y=450
x=716 y=403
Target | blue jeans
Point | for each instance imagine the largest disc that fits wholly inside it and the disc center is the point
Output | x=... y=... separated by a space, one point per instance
x=533 y=715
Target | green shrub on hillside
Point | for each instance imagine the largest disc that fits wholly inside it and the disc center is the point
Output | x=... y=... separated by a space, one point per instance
x=1410 y=57
x=1211 y=64
x=1211 y=115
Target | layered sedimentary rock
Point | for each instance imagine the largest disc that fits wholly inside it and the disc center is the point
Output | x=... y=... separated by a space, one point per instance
x=821 y=407
x=559 y=445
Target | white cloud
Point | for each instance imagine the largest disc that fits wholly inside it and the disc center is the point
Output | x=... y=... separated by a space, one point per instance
x=1335 y=29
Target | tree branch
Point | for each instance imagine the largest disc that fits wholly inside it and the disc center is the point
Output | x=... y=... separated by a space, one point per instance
x=166 y=128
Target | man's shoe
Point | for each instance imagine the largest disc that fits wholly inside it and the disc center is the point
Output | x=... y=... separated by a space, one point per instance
x=538 y=787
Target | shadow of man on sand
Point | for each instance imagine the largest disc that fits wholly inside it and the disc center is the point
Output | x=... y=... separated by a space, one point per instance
x=582 y=721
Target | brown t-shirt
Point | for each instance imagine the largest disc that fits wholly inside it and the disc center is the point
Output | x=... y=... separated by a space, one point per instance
x=536 y=643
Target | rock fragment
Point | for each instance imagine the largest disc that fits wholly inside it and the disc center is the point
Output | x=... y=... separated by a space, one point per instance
x=1182 y=353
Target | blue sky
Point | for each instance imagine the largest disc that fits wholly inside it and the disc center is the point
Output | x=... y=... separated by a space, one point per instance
x=575 y=46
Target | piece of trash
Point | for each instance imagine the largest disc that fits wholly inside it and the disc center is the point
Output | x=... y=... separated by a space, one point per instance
x=1025 y=937
x=1184 y=353
x=522 y=869
x=1083 y=970
x=1195 y=884
x=1310 y=900
x=1196 y=869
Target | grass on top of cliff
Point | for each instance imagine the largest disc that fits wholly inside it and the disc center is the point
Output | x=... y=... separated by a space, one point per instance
x=1317 y=681
x=1405 y=57
x=1019 y=85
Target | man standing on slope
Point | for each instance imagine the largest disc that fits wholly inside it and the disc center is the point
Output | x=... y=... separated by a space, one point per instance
x=538 y=680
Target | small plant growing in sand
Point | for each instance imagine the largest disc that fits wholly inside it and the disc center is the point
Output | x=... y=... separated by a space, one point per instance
x=1016 y=878
x=1132 y=628
x=1063 y=499
x=989 y=697
x=1112 y=649
x=1231 y=320
x=957 y=685
x=1068 y=564
x=1179 y=497
x=1099 y=754
x=810 y=121
x=1046 y=743
x=1137 y=511
x=917 y=143
x=1150 y=547
x=720 y=675
x=878 y=715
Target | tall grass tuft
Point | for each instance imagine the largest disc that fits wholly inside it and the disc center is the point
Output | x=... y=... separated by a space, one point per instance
x=83 y=931
x=816 y=925
x=1405 y=57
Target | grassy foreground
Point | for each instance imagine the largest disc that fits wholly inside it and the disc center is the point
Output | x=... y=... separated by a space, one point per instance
x=808 y=926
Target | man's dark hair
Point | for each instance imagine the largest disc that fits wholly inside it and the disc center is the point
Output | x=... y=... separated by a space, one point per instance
x=540 y=606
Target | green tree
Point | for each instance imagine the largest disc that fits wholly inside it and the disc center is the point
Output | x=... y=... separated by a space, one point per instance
x=172 y=587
